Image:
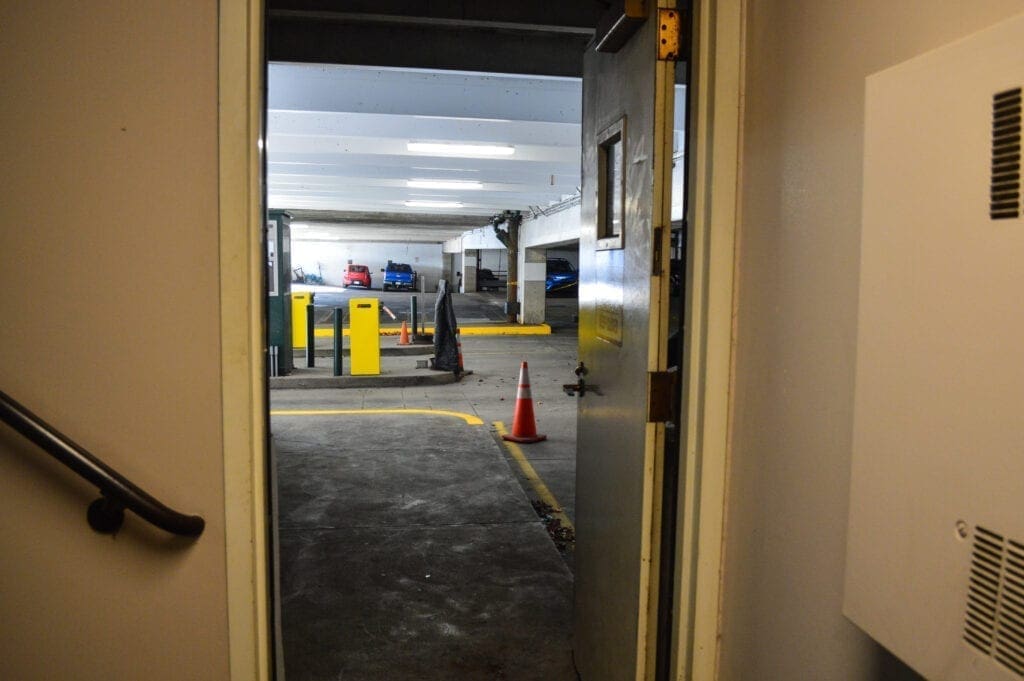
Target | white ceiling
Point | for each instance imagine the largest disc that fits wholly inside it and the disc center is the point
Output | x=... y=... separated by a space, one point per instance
x=338 y=158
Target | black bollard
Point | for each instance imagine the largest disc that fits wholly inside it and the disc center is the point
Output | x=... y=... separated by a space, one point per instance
x=310 y=337
x=338 y=311
x=414 y=314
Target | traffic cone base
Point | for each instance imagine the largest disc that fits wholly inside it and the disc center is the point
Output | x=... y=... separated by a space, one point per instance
x=524 y=440
x=458 y=347
x=524 y=430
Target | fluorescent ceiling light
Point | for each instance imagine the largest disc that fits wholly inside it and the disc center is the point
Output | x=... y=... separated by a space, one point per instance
x=299 y=225
x=455 y=149
x=444 y=184
x=434 y=204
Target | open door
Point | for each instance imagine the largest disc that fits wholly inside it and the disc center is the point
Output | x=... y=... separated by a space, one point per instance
x=624 y=276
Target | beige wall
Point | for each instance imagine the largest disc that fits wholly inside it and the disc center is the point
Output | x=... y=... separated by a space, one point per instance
x=110 y=330
x=797 y=322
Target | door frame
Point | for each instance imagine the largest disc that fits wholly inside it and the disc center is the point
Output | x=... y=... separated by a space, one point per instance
x=243 y=372
x=719 y=41
x=708 y=361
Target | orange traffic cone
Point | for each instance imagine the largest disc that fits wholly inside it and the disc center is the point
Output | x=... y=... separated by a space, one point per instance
x=403 y=338
x=524 y=430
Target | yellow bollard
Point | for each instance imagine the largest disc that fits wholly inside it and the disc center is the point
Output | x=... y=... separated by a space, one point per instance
x=364 y=336
x=300 y=300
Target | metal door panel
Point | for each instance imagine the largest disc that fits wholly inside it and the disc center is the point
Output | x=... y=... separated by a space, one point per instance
x=622 y=336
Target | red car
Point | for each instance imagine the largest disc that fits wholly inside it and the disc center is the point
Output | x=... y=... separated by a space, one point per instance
x=356 y=274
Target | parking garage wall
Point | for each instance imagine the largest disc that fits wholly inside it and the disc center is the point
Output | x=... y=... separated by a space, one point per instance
x=558 y=229
x=479 y=238
x=494 y=259
x=328 y=259
x=570 y=253
x=491 y=253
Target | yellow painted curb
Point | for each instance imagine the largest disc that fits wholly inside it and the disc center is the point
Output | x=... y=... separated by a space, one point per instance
x=535 y=481
x=495 y=330
x=470 y=419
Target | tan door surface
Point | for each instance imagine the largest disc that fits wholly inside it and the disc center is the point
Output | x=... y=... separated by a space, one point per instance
x=627 y=110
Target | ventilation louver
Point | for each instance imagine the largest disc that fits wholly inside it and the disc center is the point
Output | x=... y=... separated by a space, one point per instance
x=1006 y=185
x=995 y=599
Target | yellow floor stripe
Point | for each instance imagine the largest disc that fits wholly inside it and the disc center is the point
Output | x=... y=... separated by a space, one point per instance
x=538 y=485
x=507 y=330
x=468 y=418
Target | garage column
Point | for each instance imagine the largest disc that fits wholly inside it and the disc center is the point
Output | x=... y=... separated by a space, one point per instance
x=532 y=272
x=470 y=257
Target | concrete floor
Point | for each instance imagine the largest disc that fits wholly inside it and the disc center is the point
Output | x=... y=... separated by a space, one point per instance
x=409 y=550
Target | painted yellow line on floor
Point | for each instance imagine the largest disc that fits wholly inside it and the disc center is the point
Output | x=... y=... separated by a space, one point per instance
x=327 y=333
x=468 y=418
x=495 y=330
x=538 y=485
x=507 y=330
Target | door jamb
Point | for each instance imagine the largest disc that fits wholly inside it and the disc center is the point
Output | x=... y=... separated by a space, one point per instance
x=719 y=41
x=243 y=401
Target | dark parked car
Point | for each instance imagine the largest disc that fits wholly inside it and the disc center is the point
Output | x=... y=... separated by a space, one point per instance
x=398 y=275
x=487 y=280
x=562 y=278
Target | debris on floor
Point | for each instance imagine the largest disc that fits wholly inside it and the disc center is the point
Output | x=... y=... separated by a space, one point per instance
x=563 y=537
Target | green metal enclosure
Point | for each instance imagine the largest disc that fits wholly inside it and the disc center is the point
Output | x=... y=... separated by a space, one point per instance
x=279 y=290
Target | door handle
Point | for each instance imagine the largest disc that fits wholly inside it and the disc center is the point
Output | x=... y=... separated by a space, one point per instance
x=580 y=387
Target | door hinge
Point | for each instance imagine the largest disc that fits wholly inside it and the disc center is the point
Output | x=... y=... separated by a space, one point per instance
x=661 y=396
x=669 y=30
x=657 y=251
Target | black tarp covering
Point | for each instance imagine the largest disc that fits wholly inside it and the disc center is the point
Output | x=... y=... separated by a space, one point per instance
x=446 y=352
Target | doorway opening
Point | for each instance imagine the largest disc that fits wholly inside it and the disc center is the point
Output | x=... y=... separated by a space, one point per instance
x=380 y=542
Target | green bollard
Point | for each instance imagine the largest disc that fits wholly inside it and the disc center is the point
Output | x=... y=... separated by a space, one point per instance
x=414 y=314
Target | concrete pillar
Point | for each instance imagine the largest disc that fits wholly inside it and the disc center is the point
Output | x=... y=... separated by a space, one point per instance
x=469 y=264
x=455 y=278
x=448 y=266
x=532 y=271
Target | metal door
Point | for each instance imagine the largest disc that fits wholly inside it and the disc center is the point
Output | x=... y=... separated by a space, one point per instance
x=626 y=207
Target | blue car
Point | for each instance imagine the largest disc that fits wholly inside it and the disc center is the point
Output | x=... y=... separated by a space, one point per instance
x=398 y=275
x=561 y=278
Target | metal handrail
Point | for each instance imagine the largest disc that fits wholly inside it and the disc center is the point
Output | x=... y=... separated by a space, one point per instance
x=106 y=514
